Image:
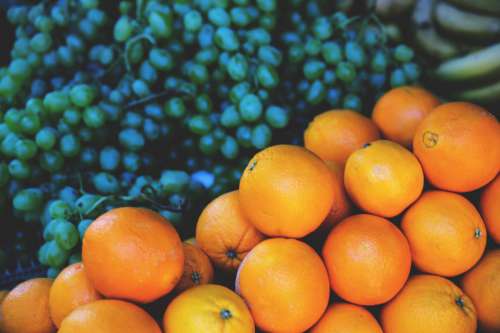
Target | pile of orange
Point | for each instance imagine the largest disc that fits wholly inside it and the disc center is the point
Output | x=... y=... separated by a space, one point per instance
x=360 y=231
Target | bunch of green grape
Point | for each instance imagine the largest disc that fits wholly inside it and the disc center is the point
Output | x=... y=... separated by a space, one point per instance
x=217 y=59
x=337 y=61
x=66 y=215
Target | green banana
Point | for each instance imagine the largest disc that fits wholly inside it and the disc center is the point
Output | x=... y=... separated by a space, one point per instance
x=427 y=38
x=422 y=12
x=485 y=6
x=485 y=94
x=435 y=45
x=461 y=23
x=476 y=65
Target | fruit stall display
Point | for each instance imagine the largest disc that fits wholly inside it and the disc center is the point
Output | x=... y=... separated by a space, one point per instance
x=250 y=166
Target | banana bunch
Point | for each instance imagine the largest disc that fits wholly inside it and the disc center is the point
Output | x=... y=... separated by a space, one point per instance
x=463 y=38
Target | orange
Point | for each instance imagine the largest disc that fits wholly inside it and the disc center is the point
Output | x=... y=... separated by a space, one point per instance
x=109 y=316
x=286 y=191
x=482 y=285
x=335 y=134
x=347 y=318
x=285 y=284
x=224 y=233
x=70 y=289
x=490 y=208
x=368 y=259
x=446 y=233
x=26 y=308
x=458 y=145
x=399 y=111
x=429 y=304
x=3 y=294
x=197 y=268
x=383 y=178
x=341 y=207
x=209 y=309
x=133 y=253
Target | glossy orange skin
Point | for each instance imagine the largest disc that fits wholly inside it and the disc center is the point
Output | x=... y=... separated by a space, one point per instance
x=399 y=112
x=335 y=134
x=70 y=289
x=347 y=318
x=383 y=178
x=482 y=285
x=490 y=208
x=285 y=284
x=197 y=268
x=109 y=316
x=201 y=309
x=430 y=304
x=446 y=233
x=25 y=309
x=458 y=145
x=134 y=254
x=3 y=294
x=342 y=206
x=286 y=191
x=224 y=233
x=368 y=259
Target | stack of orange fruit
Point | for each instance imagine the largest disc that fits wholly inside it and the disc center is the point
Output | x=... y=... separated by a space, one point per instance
x=371 y=227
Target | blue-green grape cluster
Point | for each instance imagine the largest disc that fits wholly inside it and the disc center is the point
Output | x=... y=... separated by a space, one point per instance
x=339 y=61
x=218 y=61
x=65 y=217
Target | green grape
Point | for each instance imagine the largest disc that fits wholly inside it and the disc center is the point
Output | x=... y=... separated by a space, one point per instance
x=244 y=136
x=25 y=149
x=46 y=138
x=106 y=183
x=51 y=161
x=123 y=29
x=403 y=53
x=94 y=117
x=109 y=158
x=237 y=67
x=277 y=117
x=193 y=21
x=83 y=225
x=56 y=255
x=261 y=136
x=267 y=76
x=226 y=39
x=160 y=24
x=229 y=148
x=199 y=124
x=28 y=200
x=53 y=272
x=41 y=42
x=85 y=205
x=60 y=209
x=82 y=95
x=70 y=145
x=250 y=108
x=175 y=108
x=174 y=181
x=19 y=169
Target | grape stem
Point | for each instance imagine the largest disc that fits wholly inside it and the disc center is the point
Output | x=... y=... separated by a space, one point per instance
x=150 y=98
x=131 y=43
x=139 y=4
